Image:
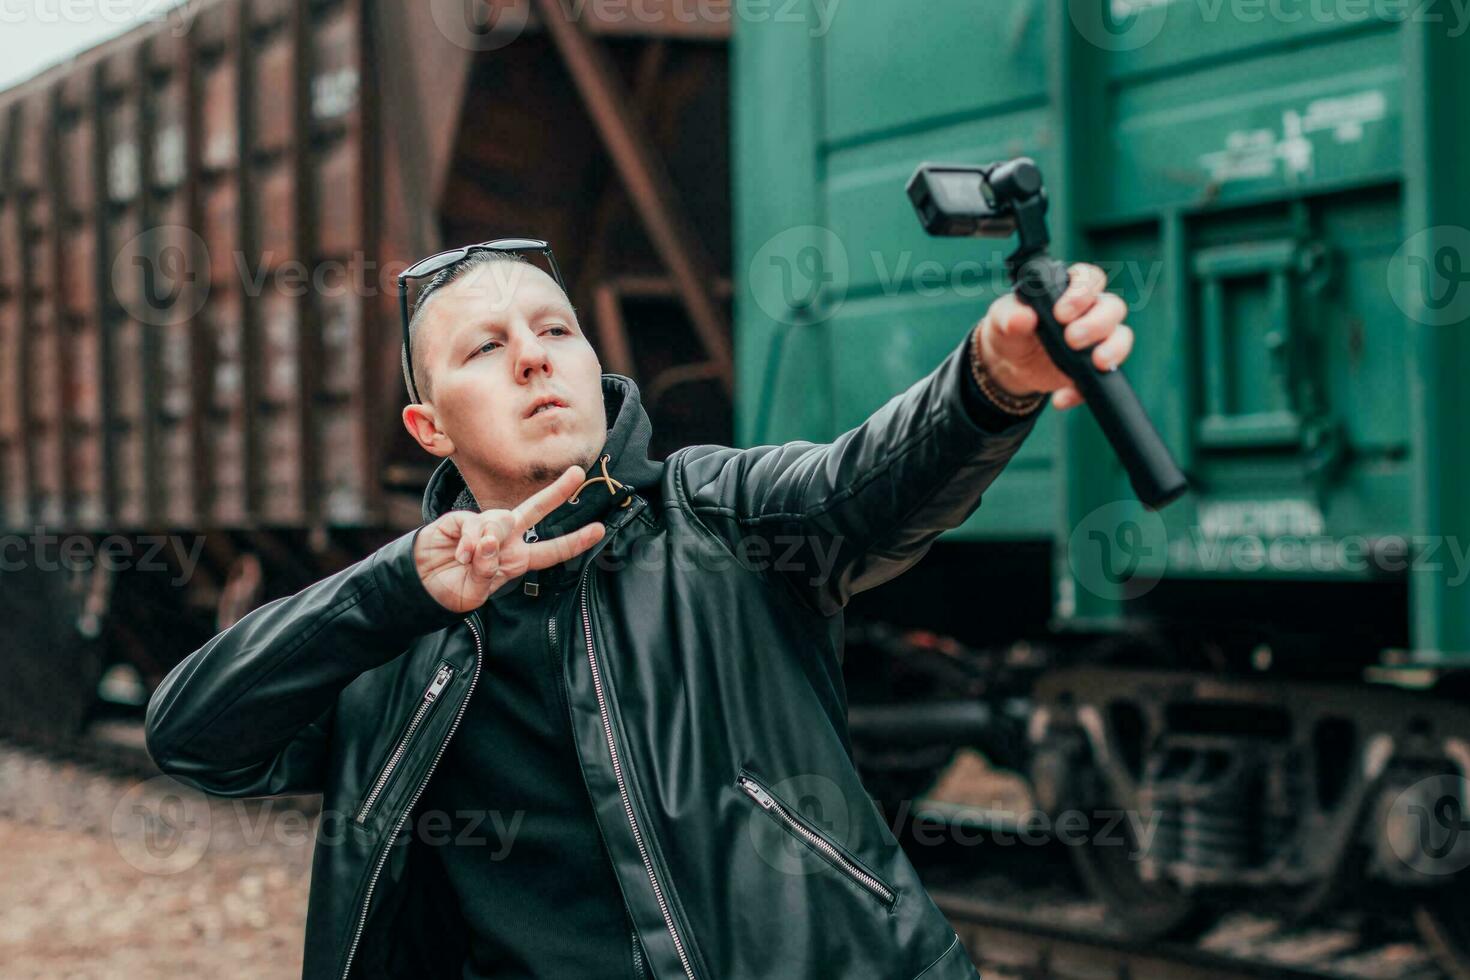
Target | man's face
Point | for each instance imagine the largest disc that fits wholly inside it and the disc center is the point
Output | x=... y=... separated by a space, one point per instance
x=493 y=345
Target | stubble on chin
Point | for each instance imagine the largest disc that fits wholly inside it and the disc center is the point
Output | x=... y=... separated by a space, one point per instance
x=541 y=472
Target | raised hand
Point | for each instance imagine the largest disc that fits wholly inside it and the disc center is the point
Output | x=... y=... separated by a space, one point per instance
x=1013 y=352
x=463 y=558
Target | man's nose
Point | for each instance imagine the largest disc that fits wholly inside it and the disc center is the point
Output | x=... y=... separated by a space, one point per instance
x=531 y=357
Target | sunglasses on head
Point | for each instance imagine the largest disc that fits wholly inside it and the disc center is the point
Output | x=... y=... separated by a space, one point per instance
x=434 y=264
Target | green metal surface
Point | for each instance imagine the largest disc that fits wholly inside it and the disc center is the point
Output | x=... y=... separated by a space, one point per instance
x=1278 y=190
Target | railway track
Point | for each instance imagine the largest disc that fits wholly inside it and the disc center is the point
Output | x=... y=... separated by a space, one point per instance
x=1008 y=945
x=1023 y=915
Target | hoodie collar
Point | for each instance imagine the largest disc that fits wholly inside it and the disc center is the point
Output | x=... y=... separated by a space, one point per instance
x=621 y=469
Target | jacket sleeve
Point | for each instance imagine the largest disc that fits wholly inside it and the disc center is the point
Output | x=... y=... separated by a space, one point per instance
x=844 y=517
x=250 y=712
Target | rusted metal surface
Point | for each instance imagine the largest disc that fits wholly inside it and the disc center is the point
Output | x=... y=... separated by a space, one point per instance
x=614 y=337
x=674 y=236
x=199 y=230
x=166 y=201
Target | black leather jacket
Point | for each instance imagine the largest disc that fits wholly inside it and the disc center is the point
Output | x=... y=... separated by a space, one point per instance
x=701 y=641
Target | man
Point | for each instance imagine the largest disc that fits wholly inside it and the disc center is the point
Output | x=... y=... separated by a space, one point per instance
x=567 y=728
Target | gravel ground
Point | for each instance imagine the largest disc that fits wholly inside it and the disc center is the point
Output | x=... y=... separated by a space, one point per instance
x=107 y=877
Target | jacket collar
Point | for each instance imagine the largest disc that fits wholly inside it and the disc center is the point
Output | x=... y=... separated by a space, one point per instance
x=622 y=468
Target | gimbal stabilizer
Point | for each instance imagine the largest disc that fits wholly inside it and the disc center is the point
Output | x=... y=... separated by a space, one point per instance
x=1001 y=199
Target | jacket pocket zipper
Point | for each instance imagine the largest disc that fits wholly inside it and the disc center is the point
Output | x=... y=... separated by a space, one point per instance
x=426 y=703
x=639 y=971
x=473 y=622
x=859 y=876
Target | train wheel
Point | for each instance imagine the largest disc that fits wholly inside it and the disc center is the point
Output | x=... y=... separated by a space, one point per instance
x=1443 y=917
x=1443 y=920
x=1145 y=910
x=49 y=667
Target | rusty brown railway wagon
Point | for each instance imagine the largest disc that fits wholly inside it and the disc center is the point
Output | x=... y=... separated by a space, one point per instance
x=200 y=222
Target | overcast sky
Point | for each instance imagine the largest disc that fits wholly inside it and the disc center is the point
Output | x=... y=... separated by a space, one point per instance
x=36 y=34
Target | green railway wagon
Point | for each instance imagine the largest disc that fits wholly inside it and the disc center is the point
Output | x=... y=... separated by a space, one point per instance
x=1275 y=664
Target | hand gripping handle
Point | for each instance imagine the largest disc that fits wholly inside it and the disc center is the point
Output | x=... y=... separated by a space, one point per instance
x=1156 y=478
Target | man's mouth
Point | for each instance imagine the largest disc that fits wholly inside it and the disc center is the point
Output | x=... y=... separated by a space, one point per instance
x=544 y=406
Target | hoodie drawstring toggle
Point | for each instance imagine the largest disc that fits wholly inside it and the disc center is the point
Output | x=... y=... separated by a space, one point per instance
x=613 y=485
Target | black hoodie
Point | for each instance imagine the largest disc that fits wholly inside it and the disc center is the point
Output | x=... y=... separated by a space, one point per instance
x=521 y=847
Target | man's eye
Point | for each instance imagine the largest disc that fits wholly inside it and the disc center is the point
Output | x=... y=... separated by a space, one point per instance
x=558 y=329
x=487 y=346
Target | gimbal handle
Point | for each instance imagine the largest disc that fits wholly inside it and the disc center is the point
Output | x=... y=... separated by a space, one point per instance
x=1156 y=478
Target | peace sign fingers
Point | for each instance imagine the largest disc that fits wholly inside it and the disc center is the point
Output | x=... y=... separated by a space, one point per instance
x=547 y=499
x=544 y=554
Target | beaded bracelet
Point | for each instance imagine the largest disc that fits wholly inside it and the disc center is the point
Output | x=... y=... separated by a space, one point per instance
x=1003 y=400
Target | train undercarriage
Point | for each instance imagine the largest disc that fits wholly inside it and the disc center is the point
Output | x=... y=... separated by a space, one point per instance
x=1185 y=793
x=1298 y=795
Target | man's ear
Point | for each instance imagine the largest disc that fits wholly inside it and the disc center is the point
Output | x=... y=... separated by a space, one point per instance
x=422 y=423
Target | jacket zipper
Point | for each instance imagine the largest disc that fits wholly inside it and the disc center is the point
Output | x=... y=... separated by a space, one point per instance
x=431 y=695
x=367 y=897
x=639 y=972
x=612 y=748
x=829 y=850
